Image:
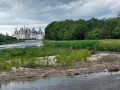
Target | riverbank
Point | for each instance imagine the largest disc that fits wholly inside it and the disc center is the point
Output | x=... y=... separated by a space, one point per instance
x=96 y=63
x=9 y=42
x=49 y=61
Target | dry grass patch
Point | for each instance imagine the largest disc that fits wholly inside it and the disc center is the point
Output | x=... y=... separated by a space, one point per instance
x=109 y=58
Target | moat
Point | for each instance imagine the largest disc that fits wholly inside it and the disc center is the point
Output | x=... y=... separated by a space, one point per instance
x=22 y=44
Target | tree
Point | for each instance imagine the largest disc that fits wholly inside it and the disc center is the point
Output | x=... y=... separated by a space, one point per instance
x=60 y=34
x=79 y=32
x=91 y=24
x=96 y=34
x=116 y=32
x=81 y=29
x=68 y=35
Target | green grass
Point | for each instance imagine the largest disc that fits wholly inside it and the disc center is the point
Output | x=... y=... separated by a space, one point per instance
x=76 y=44
x=28 y=57
x=29 y=52
x=103 y=45
x=109 y=45
x=66 y=52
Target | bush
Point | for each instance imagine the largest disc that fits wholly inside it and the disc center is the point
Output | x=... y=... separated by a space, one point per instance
x=31 y=63
x=15 y=63
x=66 y=59
x=5 y=65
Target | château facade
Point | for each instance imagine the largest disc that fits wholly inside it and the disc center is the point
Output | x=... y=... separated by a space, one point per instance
x=26 y=33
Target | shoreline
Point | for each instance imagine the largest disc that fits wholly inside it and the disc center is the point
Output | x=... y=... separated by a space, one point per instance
x=81 y=67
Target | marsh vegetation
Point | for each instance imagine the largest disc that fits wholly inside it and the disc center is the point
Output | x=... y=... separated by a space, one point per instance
x=98 y=45
x=32 y=57
x=65 y=53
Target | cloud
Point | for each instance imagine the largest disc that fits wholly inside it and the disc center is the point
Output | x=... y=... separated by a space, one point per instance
x=42 y=12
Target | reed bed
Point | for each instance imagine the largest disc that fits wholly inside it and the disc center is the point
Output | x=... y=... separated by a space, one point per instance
x=102 y=45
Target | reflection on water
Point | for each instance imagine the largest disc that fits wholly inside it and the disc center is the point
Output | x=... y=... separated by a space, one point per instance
x=47 y=84
x=23 y=44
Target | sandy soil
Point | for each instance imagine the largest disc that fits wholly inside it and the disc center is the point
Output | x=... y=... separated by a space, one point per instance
x=96 y=63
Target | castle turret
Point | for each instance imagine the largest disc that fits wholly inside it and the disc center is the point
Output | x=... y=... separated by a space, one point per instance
x=39 y=28
x=40 y=32
x=22 y=28
x=15 y=29
x=33 y=29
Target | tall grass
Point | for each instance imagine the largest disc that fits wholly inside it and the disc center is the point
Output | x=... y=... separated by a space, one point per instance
x=109 y=45
x=29 y=52
x=103 y=45
x=5 y=65
x=77 y=44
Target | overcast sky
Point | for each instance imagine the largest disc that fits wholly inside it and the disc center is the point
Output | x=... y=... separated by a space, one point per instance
x=39 y=13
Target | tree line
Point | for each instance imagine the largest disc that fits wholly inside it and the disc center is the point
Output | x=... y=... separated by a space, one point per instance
x=7 y=38
x=84 y=29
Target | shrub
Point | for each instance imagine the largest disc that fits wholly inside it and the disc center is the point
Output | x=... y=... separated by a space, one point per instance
x=68 y=59
x=31 y=62
x=15 y=63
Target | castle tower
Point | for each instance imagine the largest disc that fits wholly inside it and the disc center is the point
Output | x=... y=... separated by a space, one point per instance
x=7 y=34
x=39 y=30
x=33 y=29
x=15 y=32
x=22 y=28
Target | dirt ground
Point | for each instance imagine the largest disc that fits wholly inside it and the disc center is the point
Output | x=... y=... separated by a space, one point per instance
x=96 y=63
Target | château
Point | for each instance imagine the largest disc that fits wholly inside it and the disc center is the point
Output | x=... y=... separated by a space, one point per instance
x=27 y=33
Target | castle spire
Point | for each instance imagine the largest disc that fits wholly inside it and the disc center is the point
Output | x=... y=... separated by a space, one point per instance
x=24 y=27
x=39 y=28
x=6 y=34
x=33 y=28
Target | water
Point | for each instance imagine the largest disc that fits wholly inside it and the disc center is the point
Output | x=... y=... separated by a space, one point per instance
x=109 y=52
x=95 y=81
x=22 y=44
x=80 y=82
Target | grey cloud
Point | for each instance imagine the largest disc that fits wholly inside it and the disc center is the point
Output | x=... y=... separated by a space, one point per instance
x=5 y=6
x=30 y=12
x=44 y=11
